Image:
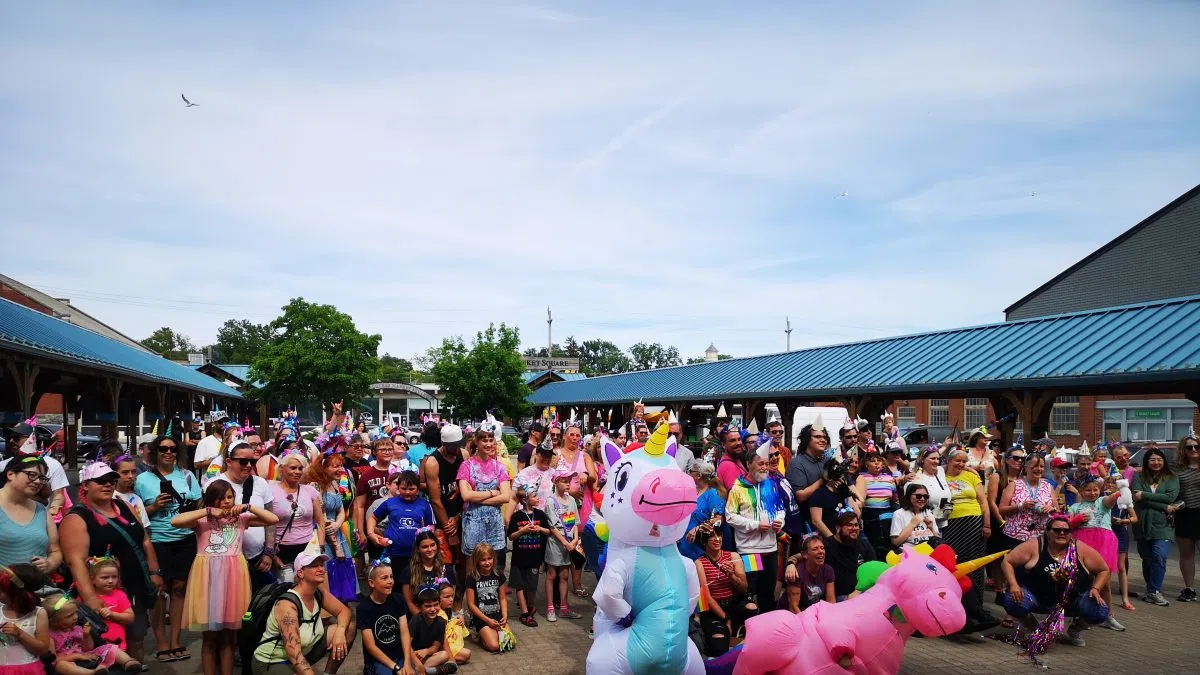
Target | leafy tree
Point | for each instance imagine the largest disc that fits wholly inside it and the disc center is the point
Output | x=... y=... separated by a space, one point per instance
x=315 y=353
x=394 y=369
x=571 y=348
x=654 y=355
x=558 y=352
x=601 y=357
x=169 y=344
x=239 y=341
x=486 y=376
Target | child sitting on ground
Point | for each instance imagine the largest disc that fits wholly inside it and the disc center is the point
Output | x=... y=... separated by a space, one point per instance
x=456 y=628
x=24 y=630
x=380 y=618
x=486 y=599
x=428 y=632
x=75 y=648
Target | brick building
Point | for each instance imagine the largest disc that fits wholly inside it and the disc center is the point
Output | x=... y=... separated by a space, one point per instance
x=1153 y=260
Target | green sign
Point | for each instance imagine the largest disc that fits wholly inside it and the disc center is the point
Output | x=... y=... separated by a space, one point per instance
x=1148 y=414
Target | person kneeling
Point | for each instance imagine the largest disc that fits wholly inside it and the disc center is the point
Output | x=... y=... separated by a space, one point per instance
x=1056 y=568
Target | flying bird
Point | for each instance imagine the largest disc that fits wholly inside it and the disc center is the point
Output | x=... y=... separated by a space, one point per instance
x=187 y=103
x=844 y=194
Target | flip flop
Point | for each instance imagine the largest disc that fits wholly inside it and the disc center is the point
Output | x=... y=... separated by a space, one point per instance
x=581 y=593
x=1129 y=606
x=168 y=653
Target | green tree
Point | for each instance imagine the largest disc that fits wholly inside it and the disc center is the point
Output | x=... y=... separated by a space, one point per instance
x=394 y=369
x=486 y=376
x=653 y=355
x=169 y=344
x=315 y=353
x=239 y=341
x=558 y=352
x=601 y=357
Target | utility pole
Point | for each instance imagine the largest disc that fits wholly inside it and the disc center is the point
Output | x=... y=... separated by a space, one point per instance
x=789 y=332
x=549 y=339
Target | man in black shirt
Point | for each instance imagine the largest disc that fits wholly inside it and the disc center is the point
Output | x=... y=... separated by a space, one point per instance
x=536 y=433
x=845 y=551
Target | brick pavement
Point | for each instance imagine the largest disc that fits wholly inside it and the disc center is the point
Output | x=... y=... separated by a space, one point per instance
x=1163 y=636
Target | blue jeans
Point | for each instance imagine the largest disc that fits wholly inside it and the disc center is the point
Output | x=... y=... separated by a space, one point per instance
x=1154 y=562
x=377 y=668
x=1083 y=606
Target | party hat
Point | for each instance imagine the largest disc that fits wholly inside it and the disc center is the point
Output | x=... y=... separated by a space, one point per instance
x=721 y=412
x=753 y=428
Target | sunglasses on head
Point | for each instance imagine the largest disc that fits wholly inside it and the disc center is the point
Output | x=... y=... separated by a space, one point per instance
x=244 y=461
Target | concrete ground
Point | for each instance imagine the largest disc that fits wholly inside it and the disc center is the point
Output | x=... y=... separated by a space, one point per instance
x=1161 y=638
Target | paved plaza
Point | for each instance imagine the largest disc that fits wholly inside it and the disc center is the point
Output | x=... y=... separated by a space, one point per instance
x=1162 y=637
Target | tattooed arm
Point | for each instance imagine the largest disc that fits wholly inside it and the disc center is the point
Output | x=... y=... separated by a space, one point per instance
x=288 y=620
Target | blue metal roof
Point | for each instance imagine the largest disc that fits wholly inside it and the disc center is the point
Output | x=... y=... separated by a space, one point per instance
x=1153 y=341
x=567 y=377
x=25 y=330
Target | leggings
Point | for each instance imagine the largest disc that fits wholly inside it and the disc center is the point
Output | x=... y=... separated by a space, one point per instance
x=762 y=584
x=716 y=632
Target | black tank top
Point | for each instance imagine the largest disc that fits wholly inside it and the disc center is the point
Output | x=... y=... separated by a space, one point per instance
x=448 y=477
x=1041 y=581
x=103 y=538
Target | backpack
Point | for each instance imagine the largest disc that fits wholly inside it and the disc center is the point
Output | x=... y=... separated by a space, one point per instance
x=254 y=621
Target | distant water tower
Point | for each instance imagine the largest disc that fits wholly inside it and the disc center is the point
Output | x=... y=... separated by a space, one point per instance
x=711 y=353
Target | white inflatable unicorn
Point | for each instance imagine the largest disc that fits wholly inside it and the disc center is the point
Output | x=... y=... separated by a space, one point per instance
x=648 y=590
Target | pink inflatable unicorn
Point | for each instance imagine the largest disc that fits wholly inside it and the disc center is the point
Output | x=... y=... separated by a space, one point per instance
x=864 y=635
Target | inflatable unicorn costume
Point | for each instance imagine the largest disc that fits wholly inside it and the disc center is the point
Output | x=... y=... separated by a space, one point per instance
x=648 y=589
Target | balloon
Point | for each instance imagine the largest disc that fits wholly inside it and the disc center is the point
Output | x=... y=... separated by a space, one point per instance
x=648 y=590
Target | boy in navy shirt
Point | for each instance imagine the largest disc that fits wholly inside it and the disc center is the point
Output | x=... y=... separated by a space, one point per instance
x=405 y=514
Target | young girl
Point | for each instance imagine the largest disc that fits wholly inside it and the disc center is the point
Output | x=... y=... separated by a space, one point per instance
x=1122 y=521
x=75 y=648
x=117 y=611
x=564 y=526
x=427 y=565
x=217 y=608
x=1097 y=532
x=24 y=630
x=456 y=629
x=126 y=468
x=878 y=485
x=487 y=597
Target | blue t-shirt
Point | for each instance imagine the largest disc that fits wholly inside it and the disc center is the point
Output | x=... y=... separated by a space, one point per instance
x=418 y=453
x=147 y=487
x=708 y=503
x=403 y=520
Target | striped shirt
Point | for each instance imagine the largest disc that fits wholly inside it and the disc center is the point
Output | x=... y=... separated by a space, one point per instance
x=720 y=586
x=1189 y=486
x=881 y=490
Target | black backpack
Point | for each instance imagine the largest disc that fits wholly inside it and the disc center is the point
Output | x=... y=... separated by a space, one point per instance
x=254 y=621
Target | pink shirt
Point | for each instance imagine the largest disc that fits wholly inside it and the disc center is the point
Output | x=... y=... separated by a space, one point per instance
x=486 y=470
x=118 y=602
x=301 y=528
x=728 y=471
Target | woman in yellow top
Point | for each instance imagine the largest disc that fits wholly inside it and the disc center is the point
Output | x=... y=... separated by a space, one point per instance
x=967 y=530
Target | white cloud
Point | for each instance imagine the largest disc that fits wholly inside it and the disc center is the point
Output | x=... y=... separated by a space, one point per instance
x=434 y=166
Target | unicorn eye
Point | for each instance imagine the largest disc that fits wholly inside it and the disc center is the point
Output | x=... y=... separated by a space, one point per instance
x=931 y=567
x=622 y=479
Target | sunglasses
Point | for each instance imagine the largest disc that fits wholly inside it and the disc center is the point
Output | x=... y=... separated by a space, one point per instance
x=921 y=497
x=1192 y=446
x=777 y=432
x=106 y=479
x=244 y=461
x=773 y=455
x=166 y=448
x=1061 y=530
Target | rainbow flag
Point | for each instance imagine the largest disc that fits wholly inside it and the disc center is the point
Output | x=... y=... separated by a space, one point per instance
x=752 y=562
x=702 y=604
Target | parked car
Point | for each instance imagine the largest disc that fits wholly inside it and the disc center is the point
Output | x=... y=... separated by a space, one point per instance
x=922 y=435
x=509 y=431
x=86 y=444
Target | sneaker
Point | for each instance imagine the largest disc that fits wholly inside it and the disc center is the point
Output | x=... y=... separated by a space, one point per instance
x=568 y=613
x=1072 y=637
x=592 y=632
x=551 y=616
x=528 y=620
x=1187 y=595
x=1156 y=599
x=1113 y=624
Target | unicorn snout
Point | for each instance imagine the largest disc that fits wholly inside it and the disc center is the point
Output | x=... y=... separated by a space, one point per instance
x=665 y=497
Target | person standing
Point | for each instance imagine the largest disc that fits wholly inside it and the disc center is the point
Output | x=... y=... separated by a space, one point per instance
x=732 y=464
x=1155 y=490
x=441 y=482
x=806 y=471
x=1187 y=517
x=525 y=455
x=372 y=485
x=253 y=491
x=207 y=448
x=756 y=517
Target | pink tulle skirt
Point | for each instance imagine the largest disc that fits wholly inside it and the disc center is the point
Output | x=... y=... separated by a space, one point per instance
x=1103 y=540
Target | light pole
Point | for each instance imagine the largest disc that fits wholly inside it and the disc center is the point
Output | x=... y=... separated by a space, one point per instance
x=789 y=332
x=549 y=339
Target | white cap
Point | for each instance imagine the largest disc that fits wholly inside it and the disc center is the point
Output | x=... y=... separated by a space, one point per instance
x=452 y=436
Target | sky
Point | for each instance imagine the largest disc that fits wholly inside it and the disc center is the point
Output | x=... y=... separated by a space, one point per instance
x=681 y=172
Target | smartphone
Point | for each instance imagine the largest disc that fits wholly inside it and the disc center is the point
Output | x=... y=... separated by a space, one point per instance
x=164 y=486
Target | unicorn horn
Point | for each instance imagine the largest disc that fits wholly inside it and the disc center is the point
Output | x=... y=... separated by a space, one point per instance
x=154 y=429
x=962 y=569
x=656 y=445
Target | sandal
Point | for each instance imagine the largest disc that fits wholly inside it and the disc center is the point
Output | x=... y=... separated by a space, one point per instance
x=1008 y=622
x=1129 y=606
x=581 y=593
x=168 y=653
x=181 y=653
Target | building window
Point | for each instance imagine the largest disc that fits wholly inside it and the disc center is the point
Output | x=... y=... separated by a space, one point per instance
x=1064 y=417
x=939 y=412
x=906 y=416
x=976 y=413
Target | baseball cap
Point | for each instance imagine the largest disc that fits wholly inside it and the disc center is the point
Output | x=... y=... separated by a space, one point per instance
x=146 y=439
x=452 y=436
x=308 y=559
x=95 y=470
x=1059 y=462
x=563 y=474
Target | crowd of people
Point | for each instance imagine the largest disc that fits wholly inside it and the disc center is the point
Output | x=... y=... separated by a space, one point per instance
x=283 y=553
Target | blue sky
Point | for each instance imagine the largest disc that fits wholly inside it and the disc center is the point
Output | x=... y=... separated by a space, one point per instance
x=669 y=173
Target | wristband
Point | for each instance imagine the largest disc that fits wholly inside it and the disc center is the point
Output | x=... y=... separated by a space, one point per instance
x=156 y=573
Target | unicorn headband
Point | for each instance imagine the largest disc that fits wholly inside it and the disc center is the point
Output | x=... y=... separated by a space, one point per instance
x=435 y=584
x=94 y=560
